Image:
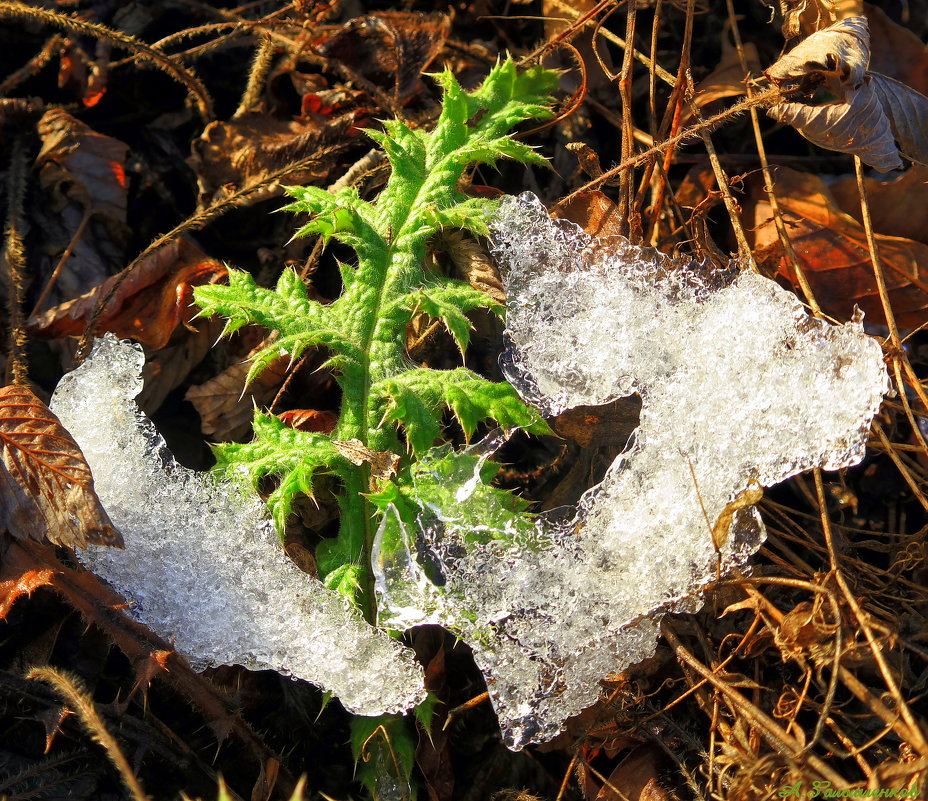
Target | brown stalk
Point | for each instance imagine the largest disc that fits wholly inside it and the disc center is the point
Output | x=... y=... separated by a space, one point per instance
x=72 y=690
x=782 y=233
x=914 y=735
x=769 y=97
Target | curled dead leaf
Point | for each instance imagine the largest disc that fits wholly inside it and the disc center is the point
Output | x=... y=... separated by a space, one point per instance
x=866 y=114
x=153 y=300
x=46 y=489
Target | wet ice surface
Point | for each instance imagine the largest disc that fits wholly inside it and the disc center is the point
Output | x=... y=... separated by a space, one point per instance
x=738 y=386
x=203 y=566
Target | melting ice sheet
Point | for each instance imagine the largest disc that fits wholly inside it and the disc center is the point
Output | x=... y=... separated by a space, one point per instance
x=739 y=387
x=202 y=565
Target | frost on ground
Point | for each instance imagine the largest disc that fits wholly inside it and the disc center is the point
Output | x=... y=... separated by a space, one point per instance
x=740 y=388
x=202 y=565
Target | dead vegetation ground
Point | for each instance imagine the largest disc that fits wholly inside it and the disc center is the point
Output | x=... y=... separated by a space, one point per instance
x=133 y=172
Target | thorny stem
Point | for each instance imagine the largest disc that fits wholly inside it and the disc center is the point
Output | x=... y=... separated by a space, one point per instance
x=69 y=688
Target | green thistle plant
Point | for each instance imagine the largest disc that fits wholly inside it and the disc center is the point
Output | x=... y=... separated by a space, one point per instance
x=365 y=328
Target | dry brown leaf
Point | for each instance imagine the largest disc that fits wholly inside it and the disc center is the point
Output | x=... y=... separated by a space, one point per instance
x=151 y=302
x=83 y=204
x=390 y=48
x=383 y=463
x=897 y=52
x=310 y=420
x=860 y=128
x=229 y=155
x=907 y=111
x=46 y=489
x=77 y=162
x=808 y=16
x=226 y=406
x=832 y=251
x=897 y=208
x=19 y=576
x=595 y=213
x=168 y=367
x=872 y=112
x=835 y=59
x=473 y=263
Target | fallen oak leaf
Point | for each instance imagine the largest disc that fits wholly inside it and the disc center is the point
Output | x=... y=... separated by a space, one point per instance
x=46 y=487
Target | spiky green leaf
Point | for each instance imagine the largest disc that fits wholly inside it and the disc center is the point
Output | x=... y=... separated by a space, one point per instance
x=449 y=300
x=297 y=457
x=415 y=400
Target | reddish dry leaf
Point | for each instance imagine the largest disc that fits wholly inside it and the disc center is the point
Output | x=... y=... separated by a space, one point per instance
x=310 y=420
x=595 y=213
x=897 y=52
x=151 y=302
x=46 y=489
x=390 y=49
x=897 y=208
x=832 y=251
x=19 y=575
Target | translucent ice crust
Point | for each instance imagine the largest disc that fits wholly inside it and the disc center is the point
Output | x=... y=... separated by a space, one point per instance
x=202 y=565
x=740 y=389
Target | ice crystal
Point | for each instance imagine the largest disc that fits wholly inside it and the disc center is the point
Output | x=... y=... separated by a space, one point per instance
x=203 y=566
x=739 y=388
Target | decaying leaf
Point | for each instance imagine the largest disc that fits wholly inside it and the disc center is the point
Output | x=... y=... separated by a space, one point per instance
x=310 y=420
x=897 y=208
x=19 y=575
x=46 y=489
x=747 y=497
x=845 y=108
x=83 y=205
x=150 y=304
x=833 y=252
x=595 y=213
x=244 y=150
x=897 y=52
x=383 y=463
x=390 y=48
x=808 y=16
